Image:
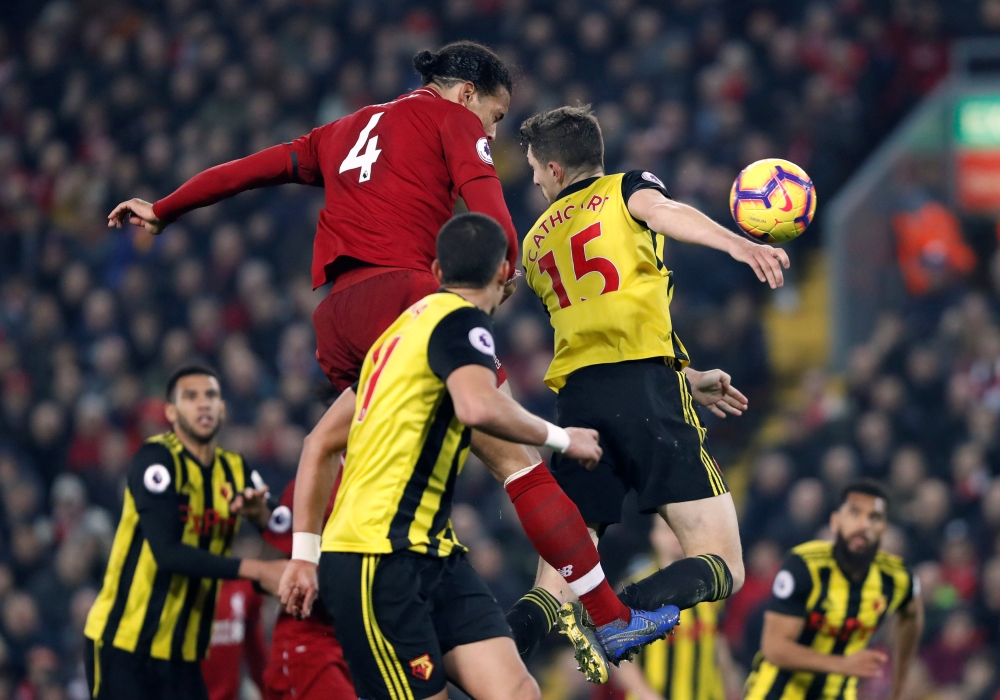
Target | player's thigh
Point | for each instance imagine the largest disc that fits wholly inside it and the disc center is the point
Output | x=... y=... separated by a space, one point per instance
x=708 y=526
x=491 y=670
x=382 y=614
x=349 y=320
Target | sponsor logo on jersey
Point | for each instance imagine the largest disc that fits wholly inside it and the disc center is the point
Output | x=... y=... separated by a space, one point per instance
x=422 y=667
x=156 y=479
x=203 y=524
x=483 y=149
x=482 y=340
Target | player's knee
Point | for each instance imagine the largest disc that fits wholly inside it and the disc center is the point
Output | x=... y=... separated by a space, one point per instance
x=527 y=689
x=737 y=572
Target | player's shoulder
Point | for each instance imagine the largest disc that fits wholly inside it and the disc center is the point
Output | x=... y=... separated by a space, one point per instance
x=154 y=465
x=235 y=459
x=890 y=563
x=815 y=549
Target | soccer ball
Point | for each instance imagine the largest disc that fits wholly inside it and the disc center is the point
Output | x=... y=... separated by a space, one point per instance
x=773 y=200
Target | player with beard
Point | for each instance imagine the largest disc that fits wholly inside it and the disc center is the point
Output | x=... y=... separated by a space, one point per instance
x=827 y=602
x=152 y=621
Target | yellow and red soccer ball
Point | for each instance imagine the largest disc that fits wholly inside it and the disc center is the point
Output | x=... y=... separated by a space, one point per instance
x=773 y=200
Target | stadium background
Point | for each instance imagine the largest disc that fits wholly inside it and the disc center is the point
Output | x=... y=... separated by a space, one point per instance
x=102 y=101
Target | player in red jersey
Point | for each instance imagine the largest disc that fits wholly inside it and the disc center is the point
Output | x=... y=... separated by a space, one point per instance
x=306 y=661
x=238 y=634
x=392 y=173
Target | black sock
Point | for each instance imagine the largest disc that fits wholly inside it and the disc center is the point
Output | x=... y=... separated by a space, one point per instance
x=531 y=619
x=685 y=583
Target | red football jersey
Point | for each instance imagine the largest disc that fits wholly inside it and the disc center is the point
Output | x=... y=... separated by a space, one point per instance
x=392 y=173
x=237 y=631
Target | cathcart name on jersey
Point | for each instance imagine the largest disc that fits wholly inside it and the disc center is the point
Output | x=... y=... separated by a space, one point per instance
x=558 y=218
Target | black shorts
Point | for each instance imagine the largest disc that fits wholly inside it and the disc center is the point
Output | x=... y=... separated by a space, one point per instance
x=397 y=615
x=116 y=674
x=653 y=440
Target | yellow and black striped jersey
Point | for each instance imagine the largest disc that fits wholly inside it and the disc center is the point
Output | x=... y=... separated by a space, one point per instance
x=164 y=605
x=685 y=665
x=597 y=271
x=406 y=447
x=841 y=615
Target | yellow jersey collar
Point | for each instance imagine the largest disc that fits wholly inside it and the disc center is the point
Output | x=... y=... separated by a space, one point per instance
x=577 y=186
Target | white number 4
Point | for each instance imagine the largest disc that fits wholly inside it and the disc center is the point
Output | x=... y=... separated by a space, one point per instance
x=357 y=159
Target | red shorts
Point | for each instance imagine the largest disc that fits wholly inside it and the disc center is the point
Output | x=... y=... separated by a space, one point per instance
x=306 y=663
x=351 y=318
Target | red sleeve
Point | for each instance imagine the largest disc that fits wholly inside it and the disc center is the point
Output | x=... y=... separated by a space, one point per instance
x=254 y=645
x=484 y=195
x=277 y=165
x=466 y=148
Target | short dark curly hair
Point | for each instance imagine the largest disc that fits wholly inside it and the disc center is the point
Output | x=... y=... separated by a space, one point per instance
x=869 y=487
x=570 y=136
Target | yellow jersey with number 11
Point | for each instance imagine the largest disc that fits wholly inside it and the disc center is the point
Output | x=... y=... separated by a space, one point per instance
x=596 y=270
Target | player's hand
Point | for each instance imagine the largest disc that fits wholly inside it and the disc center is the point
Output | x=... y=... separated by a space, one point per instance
x=137 y=212
x=299 y=587
x=511 y=286
x=766 y=261
x=252 y=504
x=583 y=447
x=712 y=389
x=867 y=663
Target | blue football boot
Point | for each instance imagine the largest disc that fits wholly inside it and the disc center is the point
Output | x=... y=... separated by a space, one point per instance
x=622 y=640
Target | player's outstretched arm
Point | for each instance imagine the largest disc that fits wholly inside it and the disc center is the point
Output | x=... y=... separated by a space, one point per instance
x=909 y=625
x=480 y=405
x=688 y=225
x=714 y=391
x=317 y=472
x=272 y=166
x=780 y=647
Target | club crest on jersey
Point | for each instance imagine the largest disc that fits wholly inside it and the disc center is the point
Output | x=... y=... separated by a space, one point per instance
x=650 y=177
x=422 y=667
x=482 y=340
x=227 y=490
x=281 y=520
x=483 y=149
x=156 y=479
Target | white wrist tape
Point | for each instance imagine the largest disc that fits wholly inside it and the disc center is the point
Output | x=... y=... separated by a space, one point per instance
x=305 y=546
x=558 y=439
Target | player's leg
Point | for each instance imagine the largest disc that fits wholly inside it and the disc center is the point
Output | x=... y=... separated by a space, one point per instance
x=553 y=525
x=381 y=611
x=479 y=655
x=678 y=478
x=710 y=537
x=491 y=670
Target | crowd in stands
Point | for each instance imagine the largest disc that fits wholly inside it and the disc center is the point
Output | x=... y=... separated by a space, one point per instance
x=104 y=101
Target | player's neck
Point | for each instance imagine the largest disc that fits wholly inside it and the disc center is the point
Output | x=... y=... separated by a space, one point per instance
x=204 y=452
x=586 y=175
x=482 y=298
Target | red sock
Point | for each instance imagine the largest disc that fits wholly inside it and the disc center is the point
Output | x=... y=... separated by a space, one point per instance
x=554 y=525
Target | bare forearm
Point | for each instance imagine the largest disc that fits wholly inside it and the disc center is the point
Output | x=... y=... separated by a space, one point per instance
x=502 y=417
x=909 y=626
x=688 y=225
x=791 y=656
x=314 y=481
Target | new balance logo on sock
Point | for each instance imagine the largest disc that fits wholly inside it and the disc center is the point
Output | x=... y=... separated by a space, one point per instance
x=566 y=571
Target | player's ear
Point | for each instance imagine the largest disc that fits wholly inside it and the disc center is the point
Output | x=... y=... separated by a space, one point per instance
x=468 y=92
x=436 y=270
x=557 y=170
x=503 y=273
x=835 y=520
x=171 y=412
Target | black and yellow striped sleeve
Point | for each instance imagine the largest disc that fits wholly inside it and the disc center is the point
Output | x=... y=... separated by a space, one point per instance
x=152 y=483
